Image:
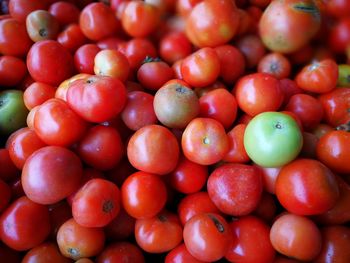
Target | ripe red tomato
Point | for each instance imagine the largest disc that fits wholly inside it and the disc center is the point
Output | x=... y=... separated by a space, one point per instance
x=174 y=46
x=84 y=58
x=47 y=252
x=37 y=93
x=24 y=224
x=236 y=152
x=65 y=12
x=235 y=188
x=121 y=252
x=96 y=204
x=180 y=254
x=46 y=172
x=8 y=76
x=275 y=64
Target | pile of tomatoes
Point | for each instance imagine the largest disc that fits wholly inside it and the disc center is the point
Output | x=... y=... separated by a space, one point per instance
x=175 y=131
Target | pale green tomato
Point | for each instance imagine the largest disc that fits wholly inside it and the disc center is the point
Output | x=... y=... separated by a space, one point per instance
x=272 y=139
x=344 y=75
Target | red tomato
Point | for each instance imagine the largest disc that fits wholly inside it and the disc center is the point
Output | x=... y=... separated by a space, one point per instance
x=84 y=58
x=8 y=170
x=98 y=21
x=251 y=241
x=49 y=62
x=144 y=155
x=174 y=46
x=24 y=224
x=160 y=233
x=121 y=252
x=59 y=213
x=37 y=93
x=252 y=48
x=101 y=147
x=204 y=141
x=5 y=195
x=19 y=9
x=97 y=98
x=8 y=76
x=313 y=194
x=96 y=204
x=65 y=13
x=143 y=195
x=339 y=36
x=46 y=172
x=235 y=188
x=137 y=49
x=47 y=252
x=121 y=227
x=333 y=150
x=180 y=254
x=257 y=93
x=72 y=37
x=236 y=152
x=207 y=237
x=275 y=64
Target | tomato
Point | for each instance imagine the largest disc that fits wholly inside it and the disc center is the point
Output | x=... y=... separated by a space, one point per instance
x=313 y=194
x=65 y=13
x=59 y=214
x=180 y=254
x=207 y=237
x=273 y=129
x=8 y=170
x=41 y=25
x=71 y=37
x=8 y=76
x=201 y=68
x=175 y=105
x=289 y=88
x=216 y=30
x=145 y=156
x=296 y=236
x=300 y=19
x=257 y=93
x=339 y=36
x=14 y=39
x=46 y=172
x=275 y=64
x=96 y=204
x=204 y=141
x=251 y=241
x=235 y=188
x=174 y=46
x=37 y=93
x=335 y=243
x=143 y=195
x=113 y=63
x=49 y=62
x=45 y=253
x=336 y=106
x=232 y=63
x=137 y=49
x=53 y=120
x=252 y=49
x=188 y=177
x=76 y=241
x=21 y=144
x=160 y=233
x=101 y=147
x=140 y=19
x=121 y=252
x=237 y=152
x=24 y=224
x=267 y=207
x=121 y=227
x=318 y=77
x=61 y=91
x=332 y=150
x=98 y=21
x=184 y=7
x=97 y=98
x=307 y=108
x=84 y=58
x=5 y=195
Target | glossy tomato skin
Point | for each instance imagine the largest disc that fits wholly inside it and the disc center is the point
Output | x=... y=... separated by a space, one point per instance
x=300 y=19
x=24 y=224
x=20 y=9
x=216 y=30
x=275 y=64
x=257 y=93
x=96 y=204
x=98 y=21
x=47 y=252
x=235 y=188
x=121 y=252
x=174 y=46
x=41 y=25
x=8 y=76
x=207 y=237
x=121 y=227
x=332 y=149
x=180 y=254
x=236 y=152
x=49 y=62
x=144 y=155
x=336 y=106
x=97 y=98
x=143 y=195
x=46 y=172
x=14 y=39
x=306 y=195
x=71 y=37
x=53 y=121
x=101 y=147
x=65 y=13
x=251 y=241
x=84 y=58
x=296 y=236
x=37 y=93
x=75 y=241
x=160 y=233
x=21 y=144
x=204 y=141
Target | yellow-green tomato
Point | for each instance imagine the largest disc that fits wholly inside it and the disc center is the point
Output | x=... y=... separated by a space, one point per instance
x=344 y=75
x=272 y=139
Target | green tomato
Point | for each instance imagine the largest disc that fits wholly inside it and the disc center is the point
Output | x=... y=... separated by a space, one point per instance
x=13 y=112
x=344 y=76
x=272 y=139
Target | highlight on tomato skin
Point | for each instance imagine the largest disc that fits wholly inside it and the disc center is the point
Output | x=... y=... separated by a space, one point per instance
x=174 y=131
